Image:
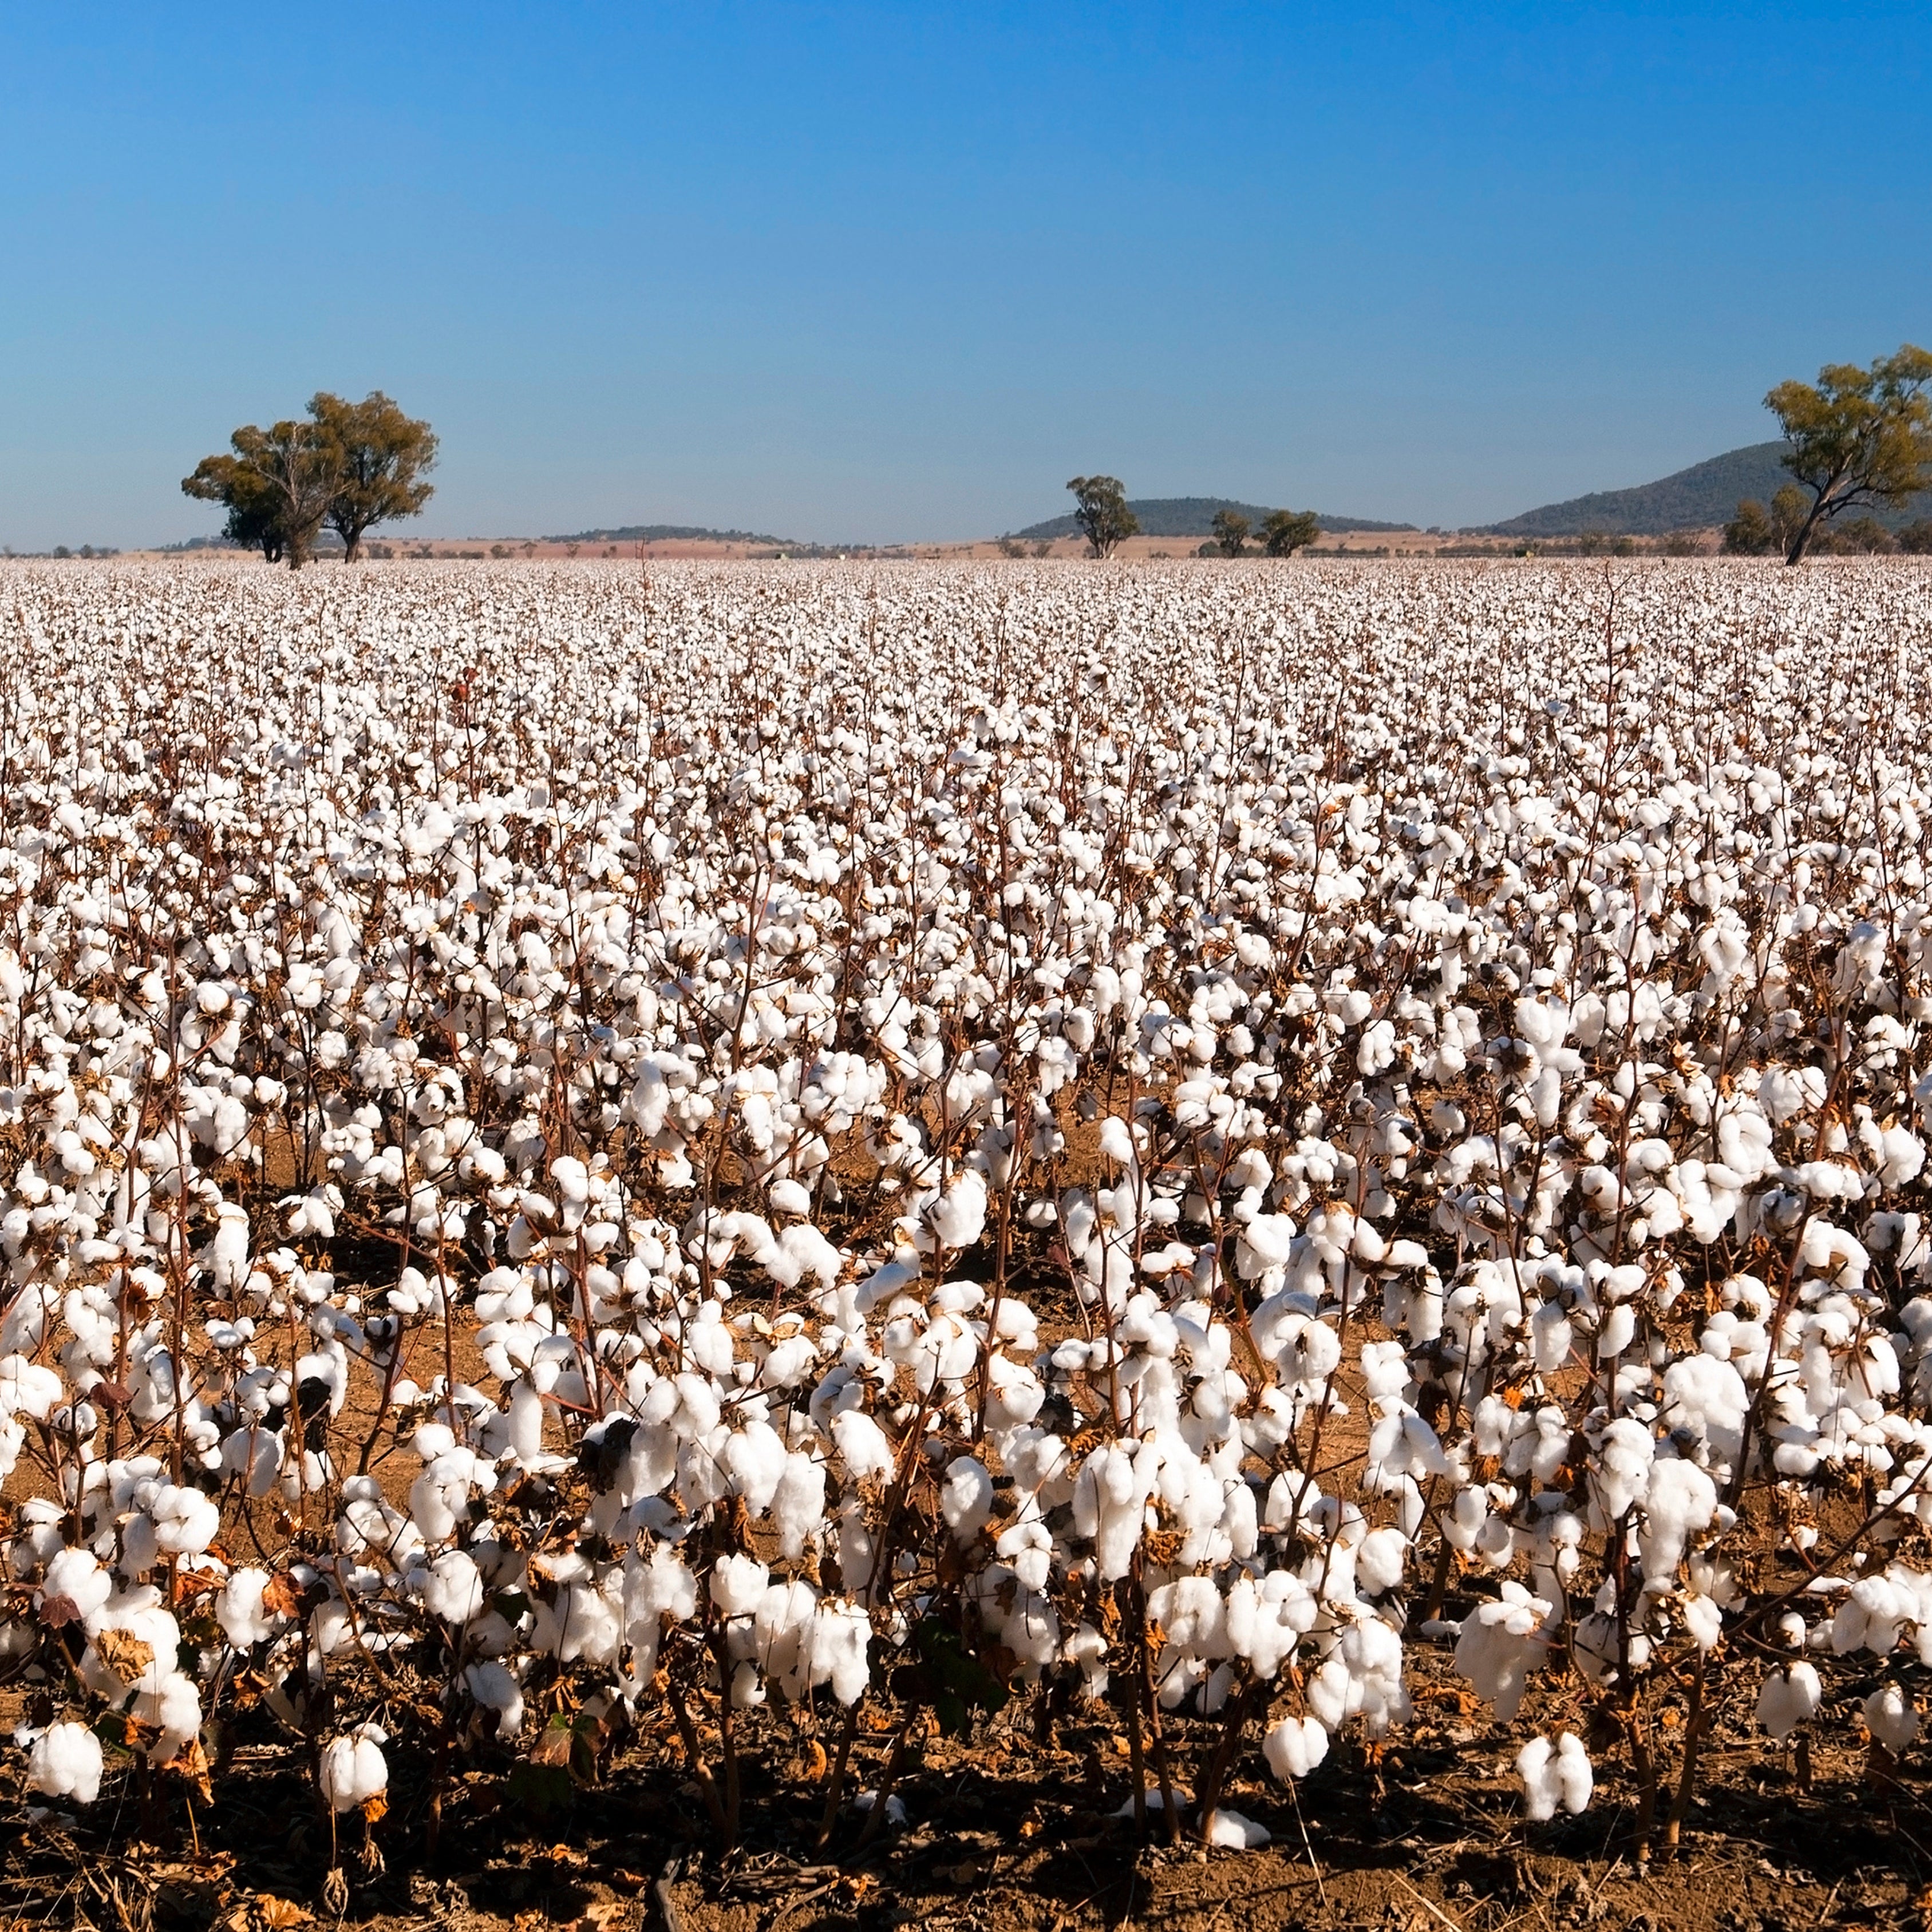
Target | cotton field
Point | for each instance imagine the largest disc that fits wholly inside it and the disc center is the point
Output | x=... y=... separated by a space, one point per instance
x=864 y=1153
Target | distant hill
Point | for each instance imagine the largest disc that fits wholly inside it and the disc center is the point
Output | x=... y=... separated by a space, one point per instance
x=1706 y=494
x=1194 y=517
x=664 y=533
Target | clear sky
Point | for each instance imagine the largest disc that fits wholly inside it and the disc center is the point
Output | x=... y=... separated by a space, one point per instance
x=875 y=273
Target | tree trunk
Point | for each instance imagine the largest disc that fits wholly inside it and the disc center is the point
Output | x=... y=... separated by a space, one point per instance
x=1796 y=553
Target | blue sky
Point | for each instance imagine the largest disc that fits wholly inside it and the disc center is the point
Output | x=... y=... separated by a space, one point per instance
x=875 y=273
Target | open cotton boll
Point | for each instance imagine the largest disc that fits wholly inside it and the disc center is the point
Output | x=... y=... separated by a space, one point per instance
x=1233 y=1831
x=1380 y=1560
x=895 y=1810
x=958 y=1217
x=862 y=1444
x=1679 y=1498
x=28 y=1389
x=1499 y=1645
x=75 y=1578
x=244 y=1620
x=65 y=1761
x=737 y=1583
x=1890 y=1716
x=496 y=1690
x=452 y=1587
x=841 y=1633
x=1788 y=1698
x=174 y=1710
x=1295 y=1747
x=788 y=1196
x=1109 y=1504
x=966 y=1501
x=798 y=1504
x=352 y=1768
x=1561 y=1775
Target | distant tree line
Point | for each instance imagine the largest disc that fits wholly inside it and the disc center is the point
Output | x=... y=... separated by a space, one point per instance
x=1859 y=438
x=1283 y=532
x=347 y=466
x=1104 y=520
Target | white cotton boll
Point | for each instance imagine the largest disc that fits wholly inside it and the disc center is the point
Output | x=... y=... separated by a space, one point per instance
x=526 y=1422
x=1379 y=1562
x=1295 y=1747
x=966 y=1501
x=64 y=1761
x=1622 y=1469
x=798 y=1504
x=1109 y=1504
x=958 y=1217
x=789 y=1363
x=863 y=1445
x=1539 y=1788
x=1551 y=1337
x=737 y=1584
x=1577 y=1780
x=1551 y=1777
x=1890 y=1716
x=496 y=1689
x=1789 y=1697
x=664 y=1586
x=75 y=1576
x=787 y=1196
x=755 y=1461
x=353 y=1770
x=1703 y=1619
x=452 y=1587
x=1902 y=1157
x=174 y=1710
x=1263 y=1243
x=28 y=1389
x=1618 y=1332
x=1872 y=1617
x=1233 y=1831
x=185 y=1521
x=1679 y=1498
x=895 y=1810
x=1499 y=1645
x=802 y=1250
x=239 y=1610
x=840 y=1635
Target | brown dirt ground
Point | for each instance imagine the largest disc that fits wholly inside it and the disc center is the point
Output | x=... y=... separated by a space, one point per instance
x=1005 y=1834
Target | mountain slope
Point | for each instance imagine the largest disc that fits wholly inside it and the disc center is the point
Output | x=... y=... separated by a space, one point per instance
x=663 y=533
x=1193 y=517
x=1707 y=492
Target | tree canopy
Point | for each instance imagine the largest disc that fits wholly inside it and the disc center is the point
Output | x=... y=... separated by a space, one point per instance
x=379 y=456
x=1858 y=436
x=1287 y=531
x=1101 y=511
x=1755 y=531
x=1232 y=531
x=349 y=465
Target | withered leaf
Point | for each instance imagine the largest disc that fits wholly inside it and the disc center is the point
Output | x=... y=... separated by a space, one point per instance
x=281 y=1598
x=127 y=1656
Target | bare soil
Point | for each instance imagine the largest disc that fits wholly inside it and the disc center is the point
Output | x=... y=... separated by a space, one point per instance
x=1003 y=1832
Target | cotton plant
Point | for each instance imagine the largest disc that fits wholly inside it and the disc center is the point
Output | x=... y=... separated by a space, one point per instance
x=770 y=1139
